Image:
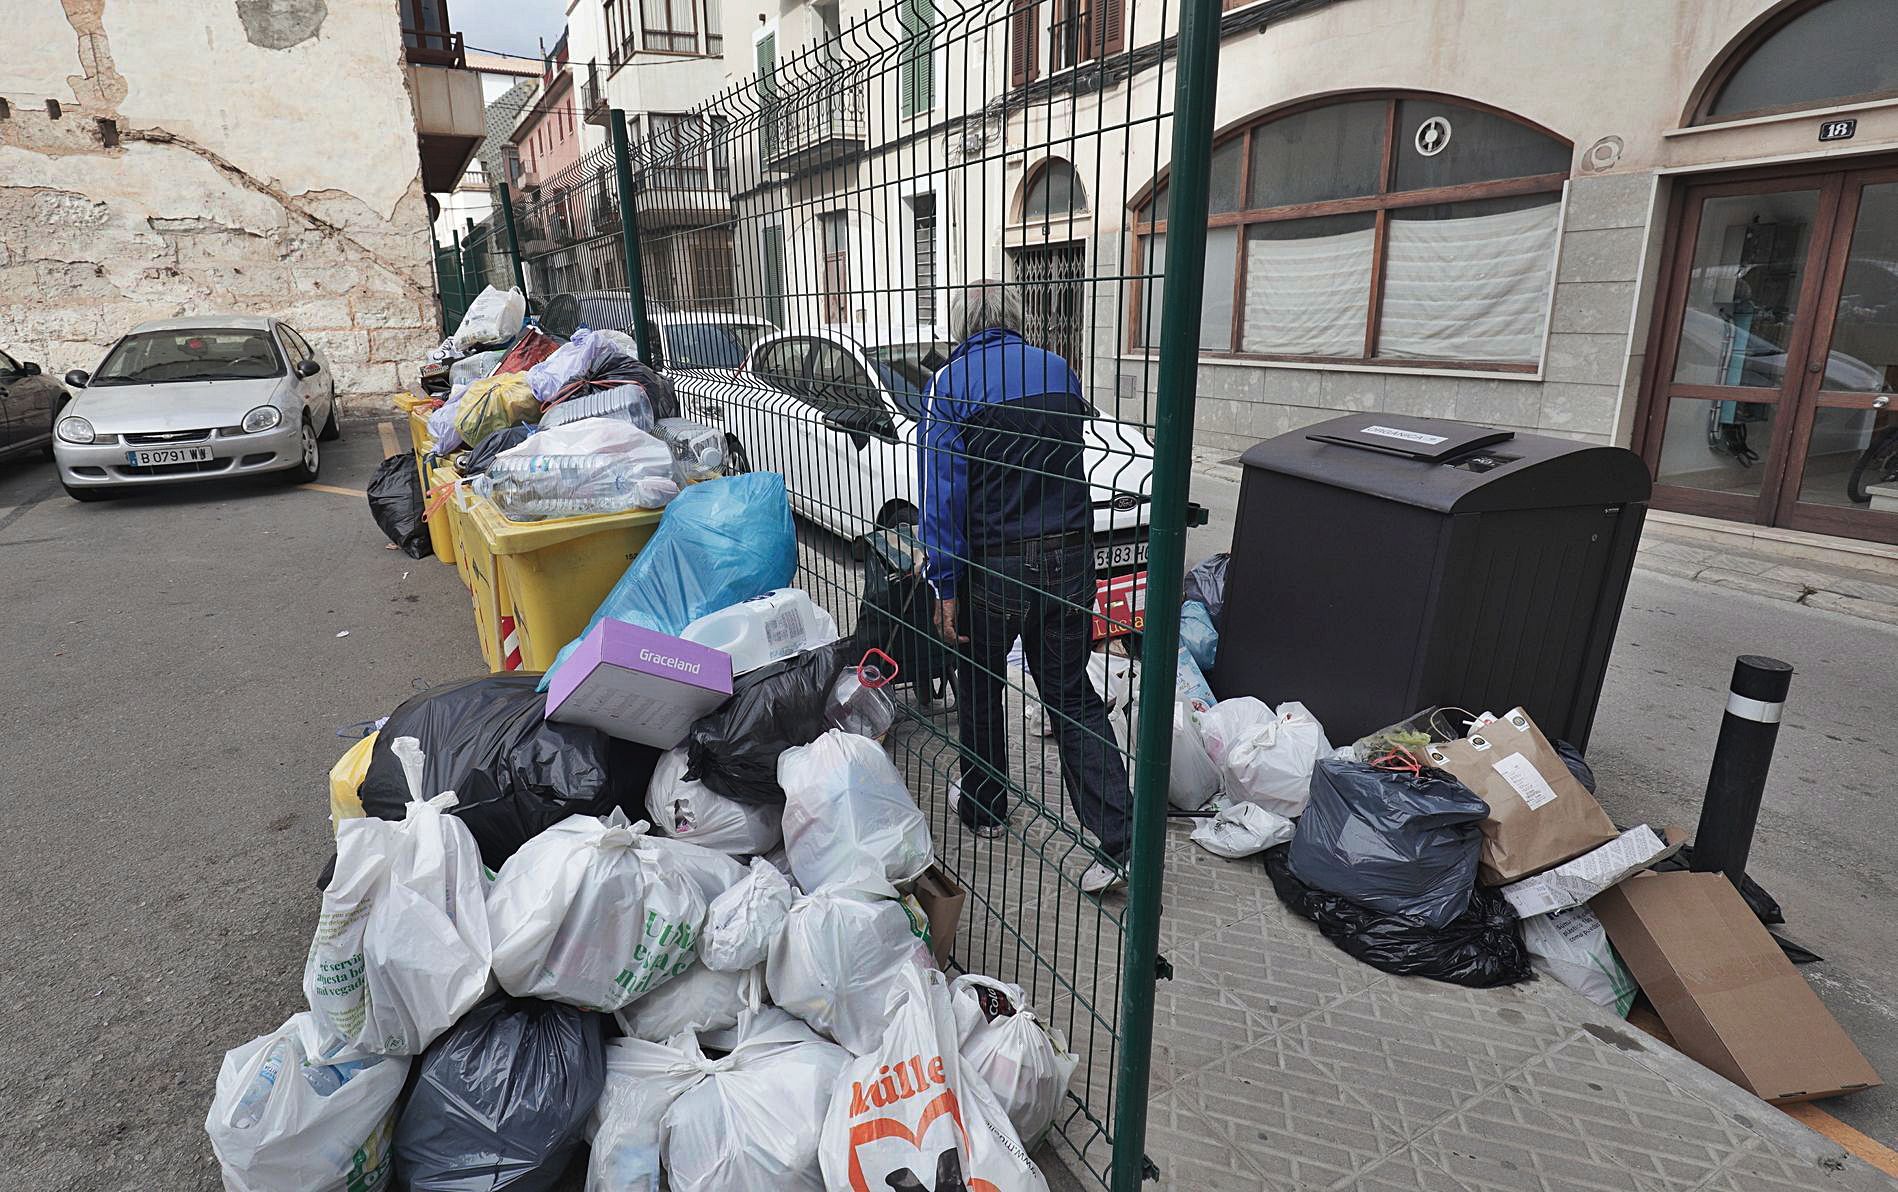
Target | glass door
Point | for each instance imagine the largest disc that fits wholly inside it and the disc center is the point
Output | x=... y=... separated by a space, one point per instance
x=1842 y=473
x=1746 y=278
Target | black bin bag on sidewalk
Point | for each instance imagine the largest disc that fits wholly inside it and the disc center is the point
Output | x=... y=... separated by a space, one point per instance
x=395 y=501
x=1395 y=842
x=734 y=750
x=515 y=773
x=501 y=1101
x=1480 y=949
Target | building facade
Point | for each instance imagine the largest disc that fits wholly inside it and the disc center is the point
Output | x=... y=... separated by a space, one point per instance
x=160 y=160
x=1666 y=224
x=508 y=86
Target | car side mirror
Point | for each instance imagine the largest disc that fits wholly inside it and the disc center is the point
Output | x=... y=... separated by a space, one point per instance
x=860 y=424
x=307 y=368
x=78 y=378
x=29 y=369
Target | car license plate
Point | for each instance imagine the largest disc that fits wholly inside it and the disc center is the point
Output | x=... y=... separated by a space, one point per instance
x=1121 y=554
x=153 y=457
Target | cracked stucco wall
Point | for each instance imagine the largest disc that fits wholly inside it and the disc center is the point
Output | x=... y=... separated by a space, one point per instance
x=266 y=164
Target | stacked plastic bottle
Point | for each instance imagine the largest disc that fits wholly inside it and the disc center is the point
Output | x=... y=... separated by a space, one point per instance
x=535 y=487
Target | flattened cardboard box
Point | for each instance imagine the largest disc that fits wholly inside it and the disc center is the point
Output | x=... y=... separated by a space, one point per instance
x=942 y=899
x=1727 y=993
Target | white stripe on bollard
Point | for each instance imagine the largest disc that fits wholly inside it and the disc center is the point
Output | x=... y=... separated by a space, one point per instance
x=1753 y=709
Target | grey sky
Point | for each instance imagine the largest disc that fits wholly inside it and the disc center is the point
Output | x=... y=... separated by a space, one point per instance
x=509 y=26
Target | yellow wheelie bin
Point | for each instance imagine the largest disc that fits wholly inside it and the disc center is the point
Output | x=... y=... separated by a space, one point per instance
x=441 y=508
x=536 y=584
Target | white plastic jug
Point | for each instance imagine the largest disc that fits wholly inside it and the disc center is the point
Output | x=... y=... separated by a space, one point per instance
x=765 y=628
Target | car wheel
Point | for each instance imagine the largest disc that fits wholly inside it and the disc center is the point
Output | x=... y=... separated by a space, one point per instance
x=312 y=461
x=89 y=494
x=332 y=426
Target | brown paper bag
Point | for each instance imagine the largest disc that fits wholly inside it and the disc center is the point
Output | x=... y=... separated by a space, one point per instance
x=1539 y=815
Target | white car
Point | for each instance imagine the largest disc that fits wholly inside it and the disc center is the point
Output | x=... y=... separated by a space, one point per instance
x=196 y=399
x=838 y=416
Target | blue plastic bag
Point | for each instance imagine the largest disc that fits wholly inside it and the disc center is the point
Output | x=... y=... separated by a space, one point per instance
x=718 y=543
x=1189 y=684
x=1198 y=635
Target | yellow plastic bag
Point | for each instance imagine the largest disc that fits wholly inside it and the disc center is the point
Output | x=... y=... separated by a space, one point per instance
x=346 y=779
x=492 y=404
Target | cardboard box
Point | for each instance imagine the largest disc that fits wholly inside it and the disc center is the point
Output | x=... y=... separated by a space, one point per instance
x=639 y=685
x=1727 y=993
x=941 y=899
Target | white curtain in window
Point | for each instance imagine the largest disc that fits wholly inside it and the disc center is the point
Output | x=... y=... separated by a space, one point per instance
x=1475 y=288
x=1308 y=297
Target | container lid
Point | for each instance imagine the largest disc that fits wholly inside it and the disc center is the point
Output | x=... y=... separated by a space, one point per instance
x=1417 y=438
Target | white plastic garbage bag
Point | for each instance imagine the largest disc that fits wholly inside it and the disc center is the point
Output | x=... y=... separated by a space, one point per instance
x=1192 y=779
x=840 y=949
x=593 y=914
x=1026 y=1066
x=911 y=1116
x=1572 y=946
x=693 y=812
x=495 y=316
x=285 y=1118
x=750 y=1120
x=699 y=999
x=713 y=872
x=1242 y=829
x=744 y=920
x=1264 y=757
x=402 y=946
x=848 y=813
x=597 y=465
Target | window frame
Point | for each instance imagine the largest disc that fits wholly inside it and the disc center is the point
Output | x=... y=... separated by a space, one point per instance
x=673 y=8
x=1099 y=28
x=1379 y=204
x=621 y=33
x=1738 y=52
x=922 y=215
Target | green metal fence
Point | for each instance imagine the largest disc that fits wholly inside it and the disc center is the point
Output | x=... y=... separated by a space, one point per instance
x=797 y=255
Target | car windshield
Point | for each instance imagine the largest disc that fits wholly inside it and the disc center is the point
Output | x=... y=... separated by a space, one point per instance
x=161 y=357
x=906 y=370
x=711 y=345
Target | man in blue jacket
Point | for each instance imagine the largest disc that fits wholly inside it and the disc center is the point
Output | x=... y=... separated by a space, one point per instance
x=1006 y=522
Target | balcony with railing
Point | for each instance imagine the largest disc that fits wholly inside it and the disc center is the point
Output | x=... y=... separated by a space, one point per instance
x=593 y=105
x=813 y=128
x=450 y=110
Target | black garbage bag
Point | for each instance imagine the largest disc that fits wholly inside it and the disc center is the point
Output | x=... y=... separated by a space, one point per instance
x=898 y=613
x=395 y=501
x=1481 y=948
x=1399 y=843
x=501 y=1101
x=1577 y=764
x=475 y=462
x=734 y=750
x=514 y=772
x=1206 y=583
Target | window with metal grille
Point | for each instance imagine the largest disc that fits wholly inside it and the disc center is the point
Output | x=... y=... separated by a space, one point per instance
x=923 y=219
x=671 y=26
x=835 y=230
x=1051 y=283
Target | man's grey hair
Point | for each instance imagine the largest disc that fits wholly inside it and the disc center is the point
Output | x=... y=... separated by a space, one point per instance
x=984 y=305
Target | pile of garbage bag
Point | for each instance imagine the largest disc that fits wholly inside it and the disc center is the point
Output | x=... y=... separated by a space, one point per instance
x=543 y=945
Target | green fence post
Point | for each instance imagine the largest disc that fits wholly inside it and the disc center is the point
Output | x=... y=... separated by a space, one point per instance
x=513 y=239
x=629 y=235
x=1196 y=74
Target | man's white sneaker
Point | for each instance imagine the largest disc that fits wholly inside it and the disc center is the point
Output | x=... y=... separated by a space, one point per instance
x=988 y=831
x=1102 y=877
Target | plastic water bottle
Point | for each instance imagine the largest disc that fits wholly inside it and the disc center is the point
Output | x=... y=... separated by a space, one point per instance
x=761 y=630
x=250 y=1107
x=698 y=451
x=858 y=703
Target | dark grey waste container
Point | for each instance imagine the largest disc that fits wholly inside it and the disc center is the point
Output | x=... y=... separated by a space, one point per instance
x=1382 y=564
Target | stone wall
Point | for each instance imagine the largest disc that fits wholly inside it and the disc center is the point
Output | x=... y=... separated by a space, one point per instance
x=211 y=156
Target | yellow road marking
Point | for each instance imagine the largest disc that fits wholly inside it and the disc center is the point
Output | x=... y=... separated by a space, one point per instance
x=331 y=488
x=387 y=431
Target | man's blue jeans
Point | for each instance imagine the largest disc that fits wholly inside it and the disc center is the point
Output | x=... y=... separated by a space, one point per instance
x=1043 y=591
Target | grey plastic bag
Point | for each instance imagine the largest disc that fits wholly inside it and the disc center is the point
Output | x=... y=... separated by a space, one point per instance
x=1206 y=583
x=502 y=1099
x=1399 y=843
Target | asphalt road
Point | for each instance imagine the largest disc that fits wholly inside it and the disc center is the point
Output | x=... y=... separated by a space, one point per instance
x=178 y=678
x=1825 y=847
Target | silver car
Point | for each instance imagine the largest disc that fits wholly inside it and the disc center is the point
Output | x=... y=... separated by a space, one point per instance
x=194 y=399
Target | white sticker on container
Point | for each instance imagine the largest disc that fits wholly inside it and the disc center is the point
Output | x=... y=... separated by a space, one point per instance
x=1409 y=436
x=1523 y=778
x=784 y=629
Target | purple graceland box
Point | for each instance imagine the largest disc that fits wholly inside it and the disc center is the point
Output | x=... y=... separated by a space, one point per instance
x=639 y=685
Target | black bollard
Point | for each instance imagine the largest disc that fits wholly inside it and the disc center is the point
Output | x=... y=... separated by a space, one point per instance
x=1741 y=758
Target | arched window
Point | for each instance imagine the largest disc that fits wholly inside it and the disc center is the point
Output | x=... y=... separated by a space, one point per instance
x=1399 y=229
x=1054 y=192
x=1811 y=55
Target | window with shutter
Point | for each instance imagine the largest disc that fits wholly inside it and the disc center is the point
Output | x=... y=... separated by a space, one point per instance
x=916 y=81
x=1023 y=43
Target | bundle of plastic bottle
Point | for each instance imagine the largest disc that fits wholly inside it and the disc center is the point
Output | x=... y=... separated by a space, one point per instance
x=698 y=451
x=535 y=487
